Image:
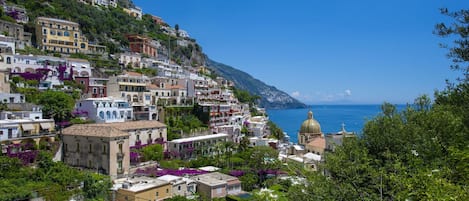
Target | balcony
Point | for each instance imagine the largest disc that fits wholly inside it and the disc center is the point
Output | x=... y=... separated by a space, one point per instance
x=120 y=155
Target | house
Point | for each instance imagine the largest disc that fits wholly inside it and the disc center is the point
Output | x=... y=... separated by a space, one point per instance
x=105 y=3
x=22 y=127
x=187 y=148
x=16 y=12
x=16 y=31
x=132 y=60
x=181 y=186
x=142 y=188
x=11 y=98
x=134 y=12
x=104 y=110
x=97 y=147
x=217 y=185
x=81 y=67
x=93 y=87
x=132 y=87
x=60 y=36
x=143 y=45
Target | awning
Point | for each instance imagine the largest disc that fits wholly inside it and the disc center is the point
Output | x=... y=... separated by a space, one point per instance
x=45 y=126
x=27 y=127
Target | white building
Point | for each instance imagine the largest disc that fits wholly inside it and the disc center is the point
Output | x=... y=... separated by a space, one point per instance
x=186 y=148
x=134 y=59
x=105 y=110
x=11 y=98
x=181 y=186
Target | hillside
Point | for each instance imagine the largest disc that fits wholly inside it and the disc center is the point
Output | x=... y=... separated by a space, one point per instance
x=271 y=97
x=108 y=27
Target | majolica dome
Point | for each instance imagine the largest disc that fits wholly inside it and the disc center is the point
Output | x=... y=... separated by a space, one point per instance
x=310 y=125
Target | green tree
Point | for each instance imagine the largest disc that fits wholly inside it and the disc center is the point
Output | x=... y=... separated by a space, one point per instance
x=153 y=152
x=56 y=104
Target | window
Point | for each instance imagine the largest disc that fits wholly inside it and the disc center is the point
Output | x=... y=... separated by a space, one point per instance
x=44 y=31
x=138 y=137
x=45 y=40
x=179 y=188
x=78 y=147
x=59 y=33
x=8 y=60
x=167 y=190
x=119 y=165
x=1 y=132
x=82 y=45
x=156 y=194
x=89 y=148
x=58 y=26
x=66 y=33
x=95 y=91
x=66 y=147
x=120 y=148
x=52 y=32
x=76 y=35
x=104 y=149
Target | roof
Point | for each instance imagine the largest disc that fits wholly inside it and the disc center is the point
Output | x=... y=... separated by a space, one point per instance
x=214 y=178
x=311 y=156
x=203 y=137
x=209 y=168
x=130 y=73
x=134 y=125
x=56 y=20
x=145 y=183
x=93 y=130
x=318 y=142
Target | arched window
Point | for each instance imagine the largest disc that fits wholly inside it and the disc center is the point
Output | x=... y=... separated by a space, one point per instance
x=114 y=115
x=108 y=115
x=8 y=60
x=101 y=115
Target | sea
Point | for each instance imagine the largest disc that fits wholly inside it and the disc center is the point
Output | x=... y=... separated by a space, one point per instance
x=330 y=117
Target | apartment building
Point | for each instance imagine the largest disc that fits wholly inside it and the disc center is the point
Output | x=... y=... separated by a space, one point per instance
x=97 y=147
x=104 y=110
x=187 y=148
x=143 y=45
x=143 y=188
x=61 y=36
x=132 y=87
x=217 y=185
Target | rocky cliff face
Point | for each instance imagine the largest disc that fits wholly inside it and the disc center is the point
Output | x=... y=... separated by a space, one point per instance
x=271 y=97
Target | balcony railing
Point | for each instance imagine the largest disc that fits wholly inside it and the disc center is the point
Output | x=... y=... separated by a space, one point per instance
x=120 y=155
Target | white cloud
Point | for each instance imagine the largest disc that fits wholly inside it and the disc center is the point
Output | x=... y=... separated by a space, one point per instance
x=348 y=92
x=296 y=94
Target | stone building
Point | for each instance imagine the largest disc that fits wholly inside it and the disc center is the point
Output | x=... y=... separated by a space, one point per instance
x=97 y=147
x=311 y=136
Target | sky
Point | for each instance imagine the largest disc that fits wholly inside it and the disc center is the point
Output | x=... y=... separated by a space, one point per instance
x=323 y=52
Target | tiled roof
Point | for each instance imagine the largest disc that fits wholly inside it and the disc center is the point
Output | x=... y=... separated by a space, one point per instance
x=134 y=125
x=93 y=130
x=318 y=142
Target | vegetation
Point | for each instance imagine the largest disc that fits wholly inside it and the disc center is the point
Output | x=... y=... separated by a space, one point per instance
x=275 y=131
x=56 y=104
x=153 y=152
x=185 y=124
x=53 y=181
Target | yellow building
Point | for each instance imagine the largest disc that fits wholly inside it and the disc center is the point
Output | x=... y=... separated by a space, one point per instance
x=61 y=36
x=144 y=189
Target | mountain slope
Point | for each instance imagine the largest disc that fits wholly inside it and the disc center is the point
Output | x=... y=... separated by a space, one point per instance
x=271 y=97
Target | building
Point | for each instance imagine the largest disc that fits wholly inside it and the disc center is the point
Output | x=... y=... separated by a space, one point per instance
x=134 y=12
x=16 y=31
x=97 y=147
x=133 y=87
x=4 y=81
x=181 y=186
x=143 y=188
x=132 y=60
x=61 y=36
x=336 y=139
x=93 y=87
x=105 y=3
x=311 y=137
x=141 y=132
x=18 y=127
x=16 y=12
x=104 y=110
x=158 y=20
x=217 y=185
x=187 y=148
x=143 y=45
x=11 y=98
x=81 y=67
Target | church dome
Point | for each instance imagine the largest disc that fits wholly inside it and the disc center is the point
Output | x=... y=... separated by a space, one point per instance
x=310 y=125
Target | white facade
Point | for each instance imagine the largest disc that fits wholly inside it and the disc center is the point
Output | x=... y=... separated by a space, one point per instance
x=134 y=59
x=105 y=110
x=11 y=98
x=80 y=67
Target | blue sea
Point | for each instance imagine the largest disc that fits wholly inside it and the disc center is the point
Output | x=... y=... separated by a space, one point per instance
x=330 y=117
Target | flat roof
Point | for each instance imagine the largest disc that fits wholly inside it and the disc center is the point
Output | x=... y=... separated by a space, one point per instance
x=204 y=137
x=134 y=125
x=214 y=178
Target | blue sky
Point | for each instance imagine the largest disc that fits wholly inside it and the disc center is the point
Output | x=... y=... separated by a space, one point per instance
x=354 y=52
